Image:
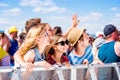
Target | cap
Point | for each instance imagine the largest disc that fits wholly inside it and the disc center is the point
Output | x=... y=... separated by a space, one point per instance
x=74 y=35
x=13 y=29
x=109 y=29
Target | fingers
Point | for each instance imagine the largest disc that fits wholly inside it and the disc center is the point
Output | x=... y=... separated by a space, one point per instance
x=68 y=65
x=75 y=20
x=74 y=17
x=29 y=66
x=47 y=65
x=85 y=61
x=42 y=64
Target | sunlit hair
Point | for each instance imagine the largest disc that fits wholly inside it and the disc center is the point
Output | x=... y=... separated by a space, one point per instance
x=31 y=23
x=53 y=40
x=31 y=36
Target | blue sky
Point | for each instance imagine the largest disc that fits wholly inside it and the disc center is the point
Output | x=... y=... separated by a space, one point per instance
x=93 y=14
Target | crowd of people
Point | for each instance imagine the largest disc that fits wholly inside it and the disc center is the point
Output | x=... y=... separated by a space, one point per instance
x=40 y=45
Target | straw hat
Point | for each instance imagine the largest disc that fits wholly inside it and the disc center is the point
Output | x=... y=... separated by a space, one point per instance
x=13 y=29
x=74 y=35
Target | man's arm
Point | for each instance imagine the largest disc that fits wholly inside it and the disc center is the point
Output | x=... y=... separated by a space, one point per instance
x=75 y=22
x=117 y=48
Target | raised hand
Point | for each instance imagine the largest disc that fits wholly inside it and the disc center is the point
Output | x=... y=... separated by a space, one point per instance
x=75 y=20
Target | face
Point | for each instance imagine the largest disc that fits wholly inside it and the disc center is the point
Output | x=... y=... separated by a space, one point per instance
x=14 y=34
x=48 y=30
x=42 y=41
x=116 y=35
x=86 y=39
x=61 y=45
x=5 y=40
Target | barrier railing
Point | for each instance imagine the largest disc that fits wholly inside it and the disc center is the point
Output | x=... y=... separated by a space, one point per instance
x=77 y=72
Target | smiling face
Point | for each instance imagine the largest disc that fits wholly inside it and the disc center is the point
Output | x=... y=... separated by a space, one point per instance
x=61 y=45
x=47 y=29
x=84 y=41
x=58 y=45
x=42 y=41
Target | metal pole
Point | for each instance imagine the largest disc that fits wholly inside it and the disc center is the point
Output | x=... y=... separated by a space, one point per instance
x=59 y=72
x=117 y=70
x=92 y=72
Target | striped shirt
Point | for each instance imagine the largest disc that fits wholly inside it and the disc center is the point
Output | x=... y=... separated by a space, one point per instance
x=75 y=59
x=38 y=56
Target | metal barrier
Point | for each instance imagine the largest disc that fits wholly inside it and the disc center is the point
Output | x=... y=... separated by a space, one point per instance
x=77 y=72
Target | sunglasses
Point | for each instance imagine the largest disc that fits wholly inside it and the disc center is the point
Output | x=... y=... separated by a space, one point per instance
x=63 y=42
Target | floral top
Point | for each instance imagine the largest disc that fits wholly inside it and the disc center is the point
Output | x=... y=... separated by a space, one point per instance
x=64 y=58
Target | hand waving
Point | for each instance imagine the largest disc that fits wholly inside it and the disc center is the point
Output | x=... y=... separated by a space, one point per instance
x=75 y=20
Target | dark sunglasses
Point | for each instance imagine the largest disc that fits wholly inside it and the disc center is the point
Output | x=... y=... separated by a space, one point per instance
x=63 y=42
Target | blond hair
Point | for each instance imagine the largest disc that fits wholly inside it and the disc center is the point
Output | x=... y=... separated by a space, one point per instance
x=29 y=41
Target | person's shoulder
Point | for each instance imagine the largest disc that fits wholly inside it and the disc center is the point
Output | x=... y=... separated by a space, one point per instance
x=30 y=53
x=31 y=50
x=117 y=43
x=117 y=48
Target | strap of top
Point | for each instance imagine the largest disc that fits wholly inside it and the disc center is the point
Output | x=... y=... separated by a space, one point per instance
x=38 y=57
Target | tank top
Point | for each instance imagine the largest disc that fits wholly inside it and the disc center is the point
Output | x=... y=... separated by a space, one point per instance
x=38 y=57
x=107 y=53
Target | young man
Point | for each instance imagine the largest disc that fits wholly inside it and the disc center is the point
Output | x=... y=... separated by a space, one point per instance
x=82 y=49
x=14 y=43
x=109 y=52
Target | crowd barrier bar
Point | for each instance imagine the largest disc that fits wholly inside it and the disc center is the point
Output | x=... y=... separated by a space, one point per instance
x=90 y=67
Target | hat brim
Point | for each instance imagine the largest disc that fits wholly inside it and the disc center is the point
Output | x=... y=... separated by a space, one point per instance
x=75 y=35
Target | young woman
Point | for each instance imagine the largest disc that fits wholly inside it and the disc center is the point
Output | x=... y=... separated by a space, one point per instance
x=29 y=53
x=56 y=51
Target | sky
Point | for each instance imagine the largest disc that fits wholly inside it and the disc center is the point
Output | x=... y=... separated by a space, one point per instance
x=93 y=14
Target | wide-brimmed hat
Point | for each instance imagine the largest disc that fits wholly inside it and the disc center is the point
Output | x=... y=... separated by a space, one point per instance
x=74 y=35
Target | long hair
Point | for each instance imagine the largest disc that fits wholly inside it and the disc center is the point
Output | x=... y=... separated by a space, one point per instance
x=53 y=40
x=29 y=41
